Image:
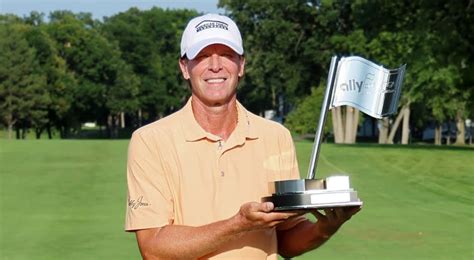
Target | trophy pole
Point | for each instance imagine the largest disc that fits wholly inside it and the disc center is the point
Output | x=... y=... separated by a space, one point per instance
x=322 y=118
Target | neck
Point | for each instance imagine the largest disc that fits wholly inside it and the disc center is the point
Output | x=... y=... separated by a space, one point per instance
x=217 y=120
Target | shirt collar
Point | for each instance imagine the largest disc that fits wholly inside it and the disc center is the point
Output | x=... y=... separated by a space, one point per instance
x=245 y=128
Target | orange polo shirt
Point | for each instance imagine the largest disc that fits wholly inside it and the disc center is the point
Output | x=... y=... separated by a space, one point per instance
x=180 y=174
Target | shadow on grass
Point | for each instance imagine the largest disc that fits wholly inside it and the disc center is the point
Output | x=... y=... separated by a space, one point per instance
x=123 y=133
x=374 y=144
x=409 y=146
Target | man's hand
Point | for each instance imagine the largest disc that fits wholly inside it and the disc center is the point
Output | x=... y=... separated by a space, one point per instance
x=254 y=215
x=307 y=236
x=333 y=219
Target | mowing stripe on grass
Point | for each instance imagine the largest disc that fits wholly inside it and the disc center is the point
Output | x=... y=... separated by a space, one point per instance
x=65 y=199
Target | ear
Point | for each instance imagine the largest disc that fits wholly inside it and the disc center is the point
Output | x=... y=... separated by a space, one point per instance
x=183 y=65
x=242 y=67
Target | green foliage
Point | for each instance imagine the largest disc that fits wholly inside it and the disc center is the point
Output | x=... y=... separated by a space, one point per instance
x=149 y=42
x=81 y=69
x=434 y=39
x=304 y=118
x=23 y=97
x=283 y=42
x=106 y=84
x=93 y=71
x=289 y=44
x=59 y=81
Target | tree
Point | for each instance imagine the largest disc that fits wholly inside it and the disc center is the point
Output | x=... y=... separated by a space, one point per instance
x=434 y=39
x=59 y=81
x=149 y=42
x=106 y=85
x=23 y=99
x=305 y=117
x=284 y=45
x=289 y=45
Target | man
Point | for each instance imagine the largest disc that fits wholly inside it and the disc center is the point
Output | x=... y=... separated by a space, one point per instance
x=195 y=178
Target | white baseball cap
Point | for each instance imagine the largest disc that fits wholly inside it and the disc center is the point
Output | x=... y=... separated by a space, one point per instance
x=208 y=29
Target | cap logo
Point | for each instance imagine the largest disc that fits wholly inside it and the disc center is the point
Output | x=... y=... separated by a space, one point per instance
x=208 y=24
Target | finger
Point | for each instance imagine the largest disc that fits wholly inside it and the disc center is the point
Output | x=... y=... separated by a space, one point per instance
x=349 y=212
x=275 y=223
x=329 y=213
x=296 y=212
x=341 y=214
x=299 y=213
x=280 y=216
x=291 y=213
x=354 y=210
x=318 y=215
x=345 y=213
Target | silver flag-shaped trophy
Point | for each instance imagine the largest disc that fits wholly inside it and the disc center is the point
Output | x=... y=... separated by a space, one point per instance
x=352 y=81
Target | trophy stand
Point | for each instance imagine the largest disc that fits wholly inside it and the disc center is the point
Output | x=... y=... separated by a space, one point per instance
x=311 y=193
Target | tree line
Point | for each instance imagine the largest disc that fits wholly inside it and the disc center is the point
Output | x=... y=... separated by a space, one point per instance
x=58 y=73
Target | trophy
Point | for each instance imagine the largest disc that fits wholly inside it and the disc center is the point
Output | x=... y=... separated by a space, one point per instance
x=352 y=81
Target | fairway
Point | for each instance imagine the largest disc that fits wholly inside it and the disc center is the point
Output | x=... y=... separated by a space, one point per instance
x=65 y=199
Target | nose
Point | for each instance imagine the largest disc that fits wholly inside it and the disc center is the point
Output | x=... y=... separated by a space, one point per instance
x=215 y=63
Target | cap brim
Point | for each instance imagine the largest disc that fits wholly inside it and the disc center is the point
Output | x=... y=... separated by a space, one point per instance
x=194 y=50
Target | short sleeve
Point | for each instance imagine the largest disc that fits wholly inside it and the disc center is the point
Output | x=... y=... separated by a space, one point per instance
x=149 y=200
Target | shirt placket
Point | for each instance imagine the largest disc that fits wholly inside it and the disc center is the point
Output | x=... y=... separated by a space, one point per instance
x=220 y=151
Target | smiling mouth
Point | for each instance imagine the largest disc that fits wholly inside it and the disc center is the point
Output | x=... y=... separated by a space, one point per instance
x=217 y=80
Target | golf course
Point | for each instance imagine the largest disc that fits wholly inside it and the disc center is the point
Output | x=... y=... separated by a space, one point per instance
x=65 y=199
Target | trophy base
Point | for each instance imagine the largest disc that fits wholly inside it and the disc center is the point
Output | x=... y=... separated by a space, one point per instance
x=309 y=194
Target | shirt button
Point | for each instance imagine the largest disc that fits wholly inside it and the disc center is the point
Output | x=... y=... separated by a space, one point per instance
x=222 y=173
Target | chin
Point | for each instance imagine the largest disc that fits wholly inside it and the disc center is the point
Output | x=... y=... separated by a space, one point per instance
x=216 y=103
x=217 y=100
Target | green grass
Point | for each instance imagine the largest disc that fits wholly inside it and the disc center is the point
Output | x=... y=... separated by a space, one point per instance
x=418 y=201
x=66 y=200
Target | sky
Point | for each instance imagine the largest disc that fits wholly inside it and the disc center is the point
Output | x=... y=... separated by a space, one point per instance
x=101 y=8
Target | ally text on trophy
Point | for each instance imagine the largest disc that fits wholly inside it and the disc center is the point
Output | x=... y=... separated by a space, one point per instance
x=352 y=81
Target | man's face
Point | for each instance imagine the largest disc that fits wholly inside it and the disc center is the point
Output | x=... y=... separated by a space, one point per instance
x=214 y=74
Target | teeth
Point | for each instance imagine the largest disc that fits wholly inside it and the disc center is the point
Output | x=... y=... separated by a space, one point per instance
x=215 y=80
